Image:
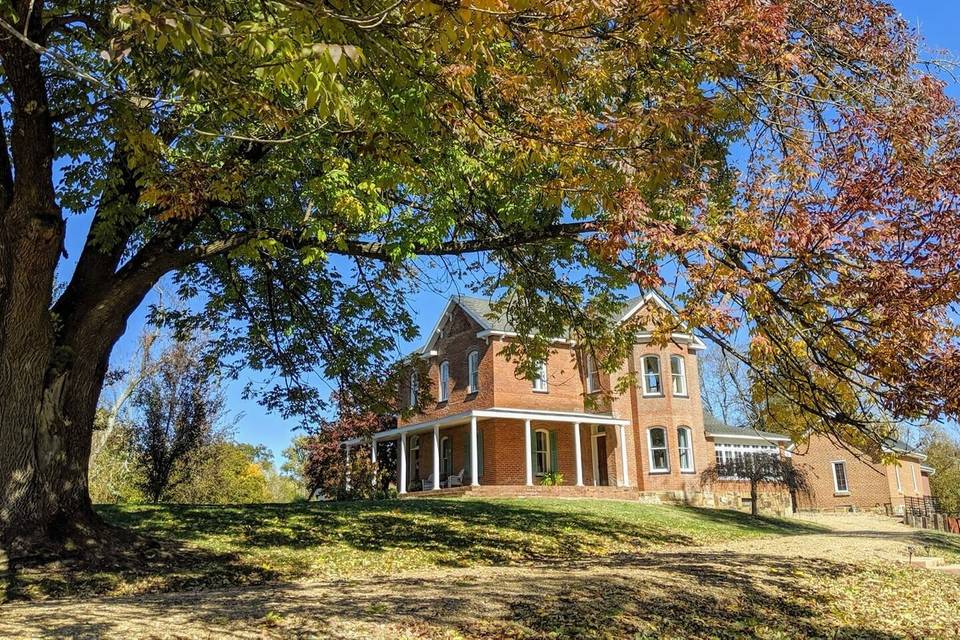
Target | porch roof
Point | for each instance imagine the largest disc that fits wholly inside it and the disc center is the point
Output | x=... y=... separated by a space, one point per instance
x=494 y=412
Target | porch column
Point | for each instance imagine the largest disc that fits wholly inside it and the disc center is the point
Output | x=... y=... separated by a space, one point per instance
x=528 y=451
x=576 y=453
x=373 y=459
x=403 y=464
x=474 y=470
x=436 y=456
x=346 y=449
x=623 y=455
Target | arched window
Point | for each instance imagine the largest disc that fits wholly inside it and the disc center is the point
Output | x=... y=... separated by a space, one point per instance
x=444 y=394
x=540 y=382
x=685 y=448
x=678 y=373
x=593 y=376
x=657 y=441
x=414 y=389
x=651 y=376
x=446 y=456
x=473 y=371
x=541 y=451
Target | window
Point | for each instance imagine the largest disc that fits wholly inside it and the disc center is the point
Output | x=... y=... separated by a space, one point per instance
x=473 y=371
x=414 y=388
x=540 y=382
x=444 y=381
x=593 y=376
x=840 y=477
x=446 y=456
x=913 y=472
x=658 y=450
x=678 y=373
x=414 y=462
x=899 y=484
x=651 y=376
x=541 y=452
x=727 y=453
x=685 y=447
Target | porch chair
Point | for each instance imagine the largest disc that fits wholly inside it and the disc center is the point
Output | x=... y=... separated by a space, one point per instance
x=456 y=480
x=427 y=485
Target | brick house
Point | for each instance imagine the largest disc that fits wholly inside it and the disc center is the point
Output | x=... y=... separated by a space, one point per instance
x=651 y=442
x=514 y=431
x=845 y=479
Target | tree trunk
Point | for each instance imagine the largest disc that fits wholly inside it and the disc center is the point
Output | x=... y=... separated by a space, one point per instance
x=754 y=510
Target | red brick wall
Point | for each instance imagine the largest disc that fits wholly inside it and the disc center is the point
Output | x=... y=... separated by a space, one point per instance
x=667 y=411
x=458 y=340
x=564 y=384
x=870 y=484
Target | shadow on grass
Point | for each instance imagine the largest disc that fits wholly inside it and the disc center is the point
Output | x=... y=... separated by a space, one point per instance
x=202 y=547
x=666 y=595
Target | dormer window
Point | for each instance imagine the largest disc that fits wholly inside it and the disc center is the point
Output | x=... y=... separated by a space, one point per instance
x=540 y=382
x=593 y=376
x=651 y=376
x=678 y=374
x=473 y=371
x=444 y=392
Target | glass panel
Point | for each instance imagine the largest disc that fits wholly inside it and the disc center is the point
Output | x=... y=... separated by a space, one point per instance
x=651 y=365
x=658 y=438
x=660 y=459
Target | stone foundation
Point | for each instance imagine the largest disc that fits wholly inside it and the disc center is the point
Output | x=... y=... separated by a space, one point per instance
x=771 y=503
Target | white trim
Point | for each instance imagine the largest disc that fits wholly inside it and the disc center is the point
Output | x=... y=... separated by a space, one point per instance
x=543 y=374
x=846 y=480
x=896 y=470
x=443 y=382
x=683 y=377
x=473 y=386
x=402 y=454
x=772 y=438
x=696 y=344
x=665 y=449
x=436 y=457
x=594 y=434
x=622 y=432
x=495 y=412
x=916 y=486
x=644 y=373
x=547 y=458
x=432 y=336
x=927 y=470
x=693 y=464
x=474 y=458
x=528 y=451
x=588 y=381
x=578 y=453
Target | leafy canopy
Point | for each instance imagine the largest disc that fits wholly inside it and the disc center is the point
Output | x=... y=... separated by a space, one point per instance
x=788 y=165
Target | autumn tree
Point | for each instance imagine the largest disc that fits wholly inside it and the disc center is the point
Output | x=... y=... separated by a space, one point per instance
x=178 y=410
x=301 y=167
x=942 y=449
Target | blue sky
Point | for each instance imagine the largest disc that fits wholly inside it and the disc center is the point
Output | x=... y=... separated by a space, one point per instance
x=937 y=21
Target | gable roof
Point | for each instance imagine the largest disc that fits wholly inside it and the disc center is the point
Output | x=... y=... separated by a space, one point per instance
x=713 y=427
x=492 y=322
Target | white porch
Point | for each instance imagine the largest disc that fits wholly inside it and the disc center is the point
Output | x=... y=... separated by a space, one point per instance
x=523 y=419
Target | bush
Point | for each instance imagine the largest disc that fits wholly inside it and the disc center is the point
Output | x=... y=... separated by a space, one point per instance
x=552 y=479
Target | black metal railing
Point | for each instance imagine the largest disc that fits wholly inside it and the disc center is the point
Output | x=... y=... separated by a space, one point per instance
x=926 y=506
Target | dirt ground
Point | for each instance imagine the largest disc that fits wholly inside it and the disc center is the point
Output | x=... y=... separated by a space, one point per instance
x=787 y=586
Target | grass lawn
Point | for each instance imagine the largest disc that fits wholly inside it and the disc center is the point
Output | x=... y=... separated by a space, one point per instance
x=214 y=546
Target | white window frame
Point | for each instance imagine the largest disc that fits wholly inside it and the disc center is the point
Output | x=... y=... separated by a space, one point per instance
x=846 y=480
x=726 y=451
x=688 y=449
x=413 y=457
x=678 y=376
x=658 y=374
x=593 y=375
x=651 y=450
x=897 y=473
x=913 y=472
x=444 y=391
x=540 y=383
x=541 y=470
x=414 y=389
x=473 y=371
